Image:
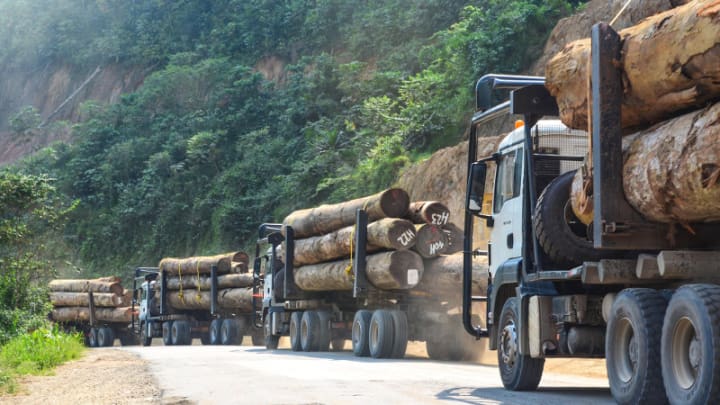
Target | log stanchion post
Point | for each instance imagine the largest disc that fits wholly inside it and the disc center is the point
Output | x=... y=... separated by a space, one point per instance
x=213 y=290
x=360 y=283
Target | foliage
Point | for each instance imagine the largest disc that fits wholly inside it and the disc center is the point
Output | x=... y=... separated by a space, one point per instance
x=36 y=353
x=215 y=142
x=29 y=208
x=27 y=118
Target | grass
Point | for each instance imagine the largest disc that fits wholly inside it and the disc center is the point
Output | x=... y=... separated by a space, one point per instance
x=37 y=352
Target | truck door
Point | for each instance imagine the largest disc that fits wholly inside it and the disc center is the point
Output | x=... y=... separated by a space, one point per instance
x=506 y=234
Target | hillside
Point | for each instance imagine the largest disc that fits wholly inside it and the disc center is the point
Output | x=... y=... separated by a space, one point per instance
x=208 y=119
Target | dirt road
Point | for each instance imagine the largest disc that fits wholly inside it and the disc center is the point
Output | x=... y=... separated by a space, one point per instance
x=252 y=375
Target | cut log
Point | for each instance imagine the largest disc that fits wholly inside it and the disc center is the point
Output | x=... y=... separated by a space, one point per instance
x=672 y=171
x=82 y=314
x=224 y=281
x=455 y=238
x=105 y=285
x=670 y=63
x=74 y=299
x=194 y=265
x=395 y=270
x=239 y=299
x=431 y=241
x=392 y=203
x=428 y=212
x=386 y=233
x=444 y=275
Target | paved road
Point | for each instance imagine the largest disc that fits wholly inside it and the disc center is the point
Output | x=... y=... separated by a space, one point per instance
x=252 y=375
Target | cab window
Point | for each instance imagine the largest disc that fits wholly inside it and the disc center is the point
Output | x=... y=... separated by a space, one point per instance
x=508 y=179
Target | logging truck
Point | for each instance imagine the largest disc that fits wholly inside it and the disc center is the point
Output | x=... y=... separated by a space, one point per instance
x=374 y=300
x=97 y=308
x=214 y=324
x=640 y=293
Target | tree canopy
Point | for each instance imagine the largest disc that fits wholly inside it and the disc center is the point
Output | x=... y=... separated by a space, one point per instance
x=209 y=147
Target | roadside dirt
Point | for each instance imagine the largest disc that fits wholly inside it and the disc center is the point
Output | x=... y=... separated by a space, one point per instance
x=101 y=376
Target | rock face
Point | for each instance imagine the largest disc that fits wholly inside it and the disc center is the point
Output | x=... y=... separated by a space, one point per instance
x=47 y=88
x=442 y=177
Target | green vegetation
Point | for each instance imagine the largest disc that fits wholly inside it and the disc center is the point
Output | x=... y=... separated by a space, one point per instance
x=209 y=147
x=37 y=352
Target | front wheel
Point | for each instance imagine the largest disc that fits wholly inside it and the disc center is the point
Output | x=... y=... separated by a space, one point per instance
x=144 y=338
x=691 y=345
x=518 y=372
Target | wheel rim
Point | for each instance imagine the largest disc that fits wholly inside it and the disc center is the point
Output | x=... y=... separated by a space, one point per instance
x=625 y=353
x=508 y=344
x=374 y=334
x=224 y=332
x=303 y=331
x=686 y=352
x=213 y=332
x=356 y=334
x=577 y=228
x=293 y=331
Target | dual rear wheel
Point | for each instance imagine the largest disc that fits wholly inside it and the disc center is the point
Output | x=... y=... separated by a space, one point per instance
x=652 y=342
x=380 y=334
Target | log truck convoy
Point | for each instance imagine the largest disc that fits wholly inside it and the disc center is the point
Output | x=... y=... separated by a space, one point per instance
x=642 y=294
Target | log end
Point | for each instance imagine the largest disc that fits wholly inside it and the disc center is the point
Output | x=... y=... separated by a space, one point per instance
x=406 y=268
x=395 y=202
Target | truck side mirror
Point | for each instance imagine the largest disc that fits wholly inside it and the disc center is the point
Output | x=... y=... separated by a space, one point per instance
x=476 y=190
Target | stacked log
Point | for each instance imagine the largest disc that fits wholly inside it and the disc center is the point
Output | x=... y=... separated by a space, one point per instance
x=71 y=300
x=670 y=64
x=436 y=235
x=188 y=281
x=444 y=275
x=325 y=237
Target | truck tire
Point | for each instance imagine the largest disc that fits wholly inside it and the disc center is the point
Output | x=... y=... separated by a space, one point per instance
x=271 y=341
x=295 y=318
x=400 y=335
x=105 y=337
x=561 y=235
x=381 y=334
x=337 y=344
x=92 y=340
x=205 y=338
x=518 y=372
x=180 y=332
x=325 y=331
x=214 y=331
x=166 y=333
x=258 y=339
x=230 y=332
x=310 y=331
x=128 y=338
x=436 y=349
x=360 y=333
x=632 y=347
x=691 y=345
x=145 y=340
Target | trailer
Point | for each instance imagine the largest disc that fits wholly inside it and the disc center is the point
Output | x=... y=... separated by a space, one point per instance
x=100 y=333
x=618 y=289
x=156 y=318
x=377 y=322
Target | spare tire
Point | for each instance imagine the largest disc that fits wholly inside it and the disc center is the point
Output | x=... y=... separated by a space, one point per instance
x=562 y=236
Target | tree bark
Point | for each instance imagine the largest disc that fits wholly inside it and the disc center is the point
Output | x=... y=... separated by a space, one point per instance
x=82 y=314
x=670 y=63
x=386 y=233
x=395 y=270
x=671 y=171
x=391 y=203
x=431 y=241
x=194 y=265
x=445 y=274
x=230 y=298
x=224 y=281
x=104 y=285
x=73 y=299
x=428 y=212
